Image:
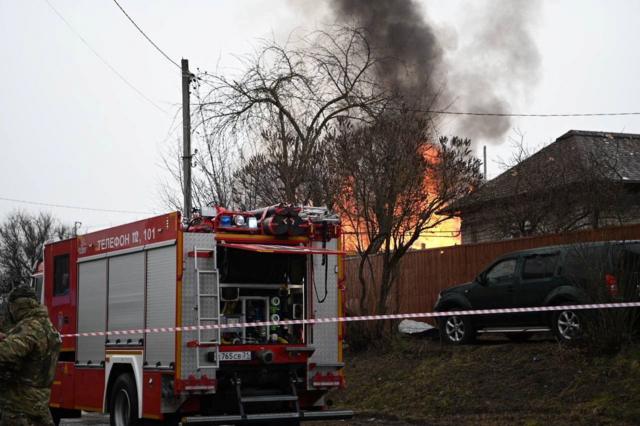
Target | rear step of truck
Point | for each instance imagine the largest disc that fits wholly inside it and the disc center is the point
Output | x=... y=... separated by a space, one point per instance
x=269 y=417
x=244 y=401
x=290 y=399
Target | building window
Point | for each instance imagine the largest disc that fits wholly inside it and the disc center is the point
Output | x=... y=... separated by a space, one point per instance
x=61 y=275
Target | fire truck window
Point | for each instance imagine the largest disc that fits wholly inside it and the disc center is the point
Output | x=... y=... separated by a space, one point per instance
x=37 y=286
x=266 y=267
x=61 y=275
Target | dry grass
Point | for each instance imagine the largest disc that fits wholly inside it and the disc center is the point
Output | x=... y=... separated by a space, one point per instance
x=494 y=382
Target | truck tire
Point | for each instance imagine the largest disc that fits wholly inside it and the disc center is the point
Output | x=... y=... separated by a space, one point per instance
x=123 y=404
x=55 y=416
x=457 y=330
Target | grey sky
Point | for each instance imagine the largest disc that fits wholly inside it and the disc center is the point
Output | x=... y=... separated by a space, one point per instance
x=73 y=133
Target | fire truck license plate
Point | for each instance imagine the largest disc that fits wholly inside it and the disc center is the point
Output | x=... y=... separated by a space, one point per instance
x=235 y=356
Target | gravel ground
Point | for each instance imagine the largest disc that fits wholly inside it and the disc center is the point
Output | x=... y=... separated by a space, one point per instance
x=87 y=419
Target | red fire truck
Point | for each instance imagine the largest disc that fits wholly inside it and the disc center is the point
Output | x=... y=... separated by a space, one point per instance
x=225 y=267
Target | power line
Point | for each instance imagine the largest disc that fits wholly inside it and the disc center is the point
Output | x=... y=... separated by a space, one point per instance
x=146 y=36
x=439 y=112
x=499 y=114
x=172 y=128
x=425 y=233
x=64 y=206
x=104 y=61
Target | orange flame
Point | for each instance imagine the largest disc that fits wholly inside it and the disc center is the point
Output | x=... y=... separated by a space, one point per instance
x=444 y=234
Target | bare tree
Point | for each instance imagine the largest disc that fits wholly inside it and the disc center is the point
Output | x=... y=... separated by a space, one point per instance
x=217 y=158
x=22 y=237
x=394 y=180
x=281 y=107
x=265 y=179
x=258 y=183
x=605 y=272
x=526 y=216
x=171 y=190
x=214 y=163
x=519 y=150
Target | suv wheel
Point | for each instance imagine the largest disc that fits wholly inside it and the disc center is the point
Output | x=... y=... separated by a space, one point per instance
x=457 y=330
x=567 y=326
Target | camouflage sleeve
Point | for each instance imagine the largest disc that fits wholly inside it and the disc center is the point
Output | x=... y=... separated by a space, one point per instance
x=4 y=324
x=17 y=345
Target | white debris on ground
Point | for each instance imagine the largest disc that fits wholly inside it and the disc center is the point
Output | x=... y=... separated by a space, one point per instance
x=414 y=327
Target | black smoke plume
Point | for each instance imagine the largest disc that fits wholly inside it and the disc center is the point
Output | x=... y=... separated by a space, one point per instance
x=492 y=72
x=407 y=46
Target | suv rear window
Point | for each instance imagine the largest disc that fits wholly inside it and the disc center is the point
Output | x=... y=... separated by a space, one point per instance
x=539 y=266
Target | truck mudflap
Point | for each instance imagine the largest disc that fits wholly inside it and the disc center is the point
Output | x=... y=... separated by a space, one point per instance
x=302 y=416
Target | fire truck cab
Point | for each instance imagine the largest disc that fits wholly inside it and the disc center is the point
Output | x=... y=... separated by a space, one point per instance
x=158 y=318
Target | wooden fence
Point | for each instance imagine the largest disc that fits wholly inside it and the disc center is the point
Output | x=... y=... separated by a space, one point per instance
x=424 y=273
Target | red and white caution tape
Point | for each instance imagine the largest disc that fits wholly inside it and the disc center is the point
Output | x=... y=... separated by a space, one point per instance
x=356 y=318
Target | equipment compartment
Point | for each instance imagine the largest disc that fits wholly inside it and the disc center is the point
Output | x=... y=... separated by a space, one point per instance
x=258 y=287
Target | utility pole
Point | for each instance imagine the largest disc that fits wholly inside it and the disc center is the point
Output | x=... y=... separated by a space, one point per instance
x=186 y=139
x=484 y=162
x=76 y=226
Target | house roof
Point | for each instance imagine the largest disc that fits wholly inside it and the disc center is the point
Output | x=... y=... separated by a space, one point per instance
x=560 y=163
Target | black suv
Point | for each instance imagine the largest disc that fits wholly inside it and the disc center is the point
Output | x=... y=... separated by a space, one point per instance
x=555 y=275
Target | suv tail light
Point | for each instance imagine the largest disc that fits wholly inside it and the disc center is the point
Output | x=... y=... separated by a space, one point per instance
x=612 y=284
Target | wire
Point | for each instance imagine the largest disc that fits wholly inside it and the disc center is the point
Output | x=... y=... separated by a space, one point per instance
x=104 y=61
x=63 y=206
x=315 y=288
x=499 y=114
x=146 y=36
x=425 y=232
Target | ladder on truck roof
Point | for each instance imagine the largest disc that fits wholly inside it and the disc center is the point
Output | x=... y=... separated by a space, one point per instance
x=208 y=309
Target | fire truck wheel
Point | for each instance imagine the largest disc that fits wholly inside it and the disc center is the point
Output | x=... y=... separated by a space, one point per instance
x=123 y=405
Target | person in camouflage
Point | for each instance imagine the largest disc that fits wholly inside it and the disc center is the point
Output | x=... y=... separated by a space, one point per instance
x=5 y=376
x=28 y=357
x=5 y=321
x=5 y=325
